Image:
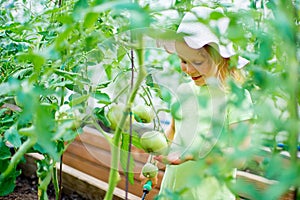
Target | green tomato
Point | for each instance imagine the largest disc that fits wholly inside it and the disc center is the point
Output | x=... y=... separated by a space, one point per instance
x=143 y=113
x=76 y=125
x=154 y=142
x=149 y=170
x=114 y=116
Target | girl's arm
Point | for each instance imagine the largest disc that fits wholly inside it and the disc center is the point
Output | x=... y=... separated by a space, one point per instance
x=170 y=131
x=176 y=158
x=173 y=158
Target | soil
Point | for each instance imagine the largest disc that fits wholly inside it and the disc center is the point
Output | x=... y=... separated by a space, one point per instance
x=26 y=189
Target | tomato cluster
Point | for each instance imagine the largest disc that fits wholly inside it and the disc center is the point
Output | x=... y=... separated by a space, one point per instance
x=141 y=113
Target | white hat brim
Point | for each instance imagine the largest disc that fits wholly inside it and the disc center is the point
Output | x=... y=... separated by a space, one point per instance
x=199 y=34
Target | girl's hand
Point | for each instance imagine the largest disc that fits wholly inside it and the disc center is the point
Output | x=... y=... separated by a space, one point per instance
x=173 y=158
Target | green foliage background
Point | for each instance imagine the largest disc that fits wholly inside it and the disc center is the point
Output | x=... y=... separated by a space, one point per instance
x=50 y=48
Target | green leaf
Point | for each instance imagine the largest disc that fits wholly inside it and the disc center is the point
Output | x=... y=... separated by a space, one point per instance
x=21 y=73
x=100 y=114
x=36 y=59
x=8 y=185
x=69 y=75
x=266 y=49
x=7 y=117
x=102 y=97
x=166 y=95
x=135 y=139
x=103 y=85
x=216 y=15
x=59 y=41
x=149 y=80
x=65 y=19
x=61 y=83
x=4 y=150
x=4 y=164
x=98 y=2
x=238 y=94
x=67 y=131
x=13 y=137
x=78 y=100
x=121 y=52
x=28 y=100
x=81 y=4
x=79 y=9
x=96 y=55
x=44 y=130
x=90 y=20
x=235 y=31
x=239 y=134
x=163 y=34
x=139 y=18
x=108 y=71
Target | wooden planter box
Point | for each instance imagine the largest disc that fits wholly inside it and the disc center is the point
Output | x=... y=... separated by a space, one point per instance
x=74 y=180
x=90 y=154
x=86 y=171
x=86 y=166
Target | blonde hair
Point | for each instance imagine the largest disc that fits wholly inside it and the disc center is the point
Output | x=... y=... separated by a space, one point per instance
x=224 y=70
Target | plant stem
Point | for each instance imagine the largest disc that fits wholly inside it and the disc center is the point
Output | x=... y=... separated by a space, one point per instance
x=43 y=185
x=128 y=157
x=55 y=183
x=153 y=108
x=114 y=176
x=130 y=129
x=17 y=157
x=60 y=176
x=58 y=185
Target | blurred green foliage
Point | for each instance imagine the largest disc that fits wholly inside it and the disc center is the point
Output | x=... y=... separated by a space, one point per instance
x=57 y=55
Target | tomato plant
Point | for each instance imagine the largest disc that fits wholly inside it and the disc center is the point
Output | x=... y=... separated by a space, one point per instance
x=64 y=64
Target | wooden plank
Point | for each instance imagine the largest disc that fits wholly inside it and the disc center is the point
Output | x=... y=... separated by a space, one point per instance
x=92 y=137
x=90 y=153
x=92 y=188
x=75 y=180
x=260 y=183
x=93 y=141
x=99 y=157
x=102 y=173
x=102 y=157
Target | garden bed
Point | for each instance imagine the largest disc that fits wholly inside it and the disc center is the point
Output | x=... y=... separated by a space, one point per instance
x=26 y=188
x=86 y=171
x=90 y=154
x=74 y=182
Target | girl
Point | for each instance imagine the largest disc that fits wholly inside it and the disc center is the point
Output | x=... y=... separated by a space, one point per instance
x=206 y=113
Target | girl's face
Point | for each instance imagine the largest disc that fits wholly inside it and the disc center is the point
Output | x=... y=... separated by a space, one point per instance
x=197 y=63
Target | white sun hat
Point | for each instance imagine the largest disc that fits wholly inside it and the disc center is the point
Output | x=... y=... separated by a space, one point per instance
x=199 y=34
